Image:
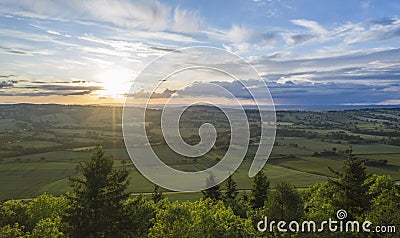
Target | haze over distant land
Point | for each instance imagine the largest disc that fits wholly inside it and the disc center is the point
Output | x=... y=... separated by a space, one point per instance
x=339 y=54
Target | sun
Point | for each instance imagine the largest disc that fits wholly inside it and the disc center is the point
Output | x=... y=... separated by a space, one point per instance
x=115 y=82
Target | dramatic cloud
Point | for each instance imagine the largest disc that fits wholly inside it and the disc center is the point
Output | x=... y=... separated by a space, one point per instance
x=304 y=54
x=308 y=93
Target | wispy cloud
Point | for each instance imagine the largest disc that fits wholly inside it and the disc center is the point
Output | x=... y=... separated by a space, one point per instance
x=312 y=25
x=187 y=21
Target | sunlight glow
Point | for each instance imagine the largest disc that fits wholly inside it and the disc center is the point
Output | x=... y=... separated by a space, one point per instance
x=116 y=82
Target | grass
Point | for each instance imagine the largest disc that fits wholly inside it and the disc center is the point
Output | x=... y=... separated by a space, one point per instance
x=41 y=127
x=23 y=180
x=32 y=144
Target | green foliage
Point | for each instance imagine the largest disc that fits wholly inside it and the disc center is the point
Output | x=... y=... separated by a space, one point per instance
x=48 y=228
x=14 y=231
x=350 y=189
x=46 y=207
x=319 y=201
x=96 y=201
x=240 y=207
x=231 y=192
x=12 y=212
x=385 y=203
x=285 y=203
x=259 y=191
x=203 y=218
x=138 y=215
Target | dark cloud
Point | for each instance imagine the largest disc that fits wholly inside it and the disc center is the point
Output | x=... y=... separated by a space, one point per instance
x=268 y=37
x=14 y=51
x=298 y=38
x=167 y=93
x=6 y=84
x=38 y=88
x=64 y=87
x=384 y=21
x=8 y=76
x=162 y=49
x=309 y=93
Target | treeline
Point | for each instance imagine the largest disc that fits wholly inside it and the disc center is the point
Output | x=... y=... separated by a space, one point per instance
x=99 y=206
x=393 y=137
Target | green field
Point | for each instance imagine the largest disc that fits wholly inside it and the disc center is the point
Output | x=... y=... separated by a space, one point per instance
x=41 y=145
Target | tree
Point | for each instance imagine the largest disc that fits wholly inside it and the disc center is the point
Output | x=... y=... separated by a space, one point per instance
x=12 y=212
x=351 y=191
x=285 y=203
x=204 y=218
x=318 y=201
x=213 y=192
x=157 y=194
x=47 y=228
x=139 y=214
x=385 y=200
x=231 y=192
x=259 y=191
x=96 y=201
x=46 y=207
x=9 y=231
x=238 y=206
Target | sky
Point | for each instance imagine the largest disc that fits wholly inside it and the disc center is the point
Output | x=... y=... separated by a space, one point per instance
x=307 y=52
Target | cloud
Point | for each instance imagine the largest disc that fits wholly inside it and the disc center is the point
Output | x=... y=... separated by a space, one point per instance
x=141 y=14
x=384 y=21
x=241 y=39
x=6 y=84
x=40 y=88
x=326 y=63
x=371 y=30
x=377 y=35
x=144 y=14
x=298 y=38
x=187 y=21
x=239 y=34
x=8 y=76
x=167 y=93
x=54 y=33
x=293 y=91
x=312 y=25
x=30 y=52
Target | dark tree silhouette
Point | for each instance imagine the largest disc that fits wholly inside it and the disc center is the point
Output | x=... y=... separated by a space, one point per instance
x=259 y=191
x=214 y=192
x=351 y=190
x=231 y=192
x=96 y=201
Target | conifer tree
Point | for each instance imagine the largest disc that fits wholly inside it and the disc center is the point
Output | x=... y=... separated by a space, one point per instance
x=259 y=191
x=96 y=201
x=231 y=191
x=213 y=192
x=351 y=189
